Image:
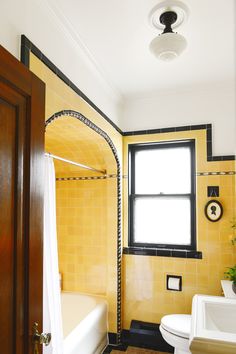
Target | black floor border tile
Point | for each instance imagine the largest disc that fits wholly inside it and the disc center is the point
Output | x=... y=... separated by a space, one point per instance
x=121 y=348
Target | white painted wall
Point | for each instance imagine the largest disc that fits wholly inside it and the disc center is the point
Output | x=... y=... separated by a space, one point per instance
x=213 y=104
x=36 y=20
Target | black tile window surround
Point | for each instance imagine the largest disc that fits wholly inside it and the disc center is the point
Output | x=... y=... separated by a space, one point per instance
x=144 y=251
x=137 y=194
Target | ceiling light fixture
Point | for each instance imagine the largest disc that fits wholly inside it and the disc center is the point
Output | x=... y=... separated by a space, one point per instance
x=168 y=45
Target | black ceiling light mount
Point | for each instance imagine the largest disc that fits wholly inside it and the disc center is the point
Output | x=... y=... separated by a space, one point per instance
x=167 y=16
x=167 y=19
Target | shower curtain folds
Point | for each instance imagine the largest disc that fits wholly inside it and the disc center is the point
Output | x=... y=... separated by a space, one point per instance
x=52 y=319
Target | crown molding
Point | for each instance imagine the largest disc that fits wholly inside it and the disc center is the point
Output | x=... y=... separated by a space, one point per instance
x=66 y=27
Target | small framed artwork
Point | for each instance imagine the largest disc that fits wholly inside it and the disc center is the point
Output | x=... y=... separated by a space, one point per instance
x=213 y=210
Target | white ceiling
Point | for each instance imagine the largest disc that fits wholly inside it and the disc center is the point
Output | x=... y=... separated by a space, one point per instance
x=115 y=34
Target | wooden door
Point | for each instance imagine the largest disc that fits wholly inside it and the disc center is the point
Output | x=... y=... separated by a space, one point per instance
x=21 y=204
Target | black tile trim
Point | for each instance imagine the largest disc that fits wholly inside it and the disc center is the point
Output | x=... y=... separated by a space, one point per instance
x=120 y=348
x=139 y=251
x=168 y=130
x=145 y=335
x=86 y=178
x=107 y=350
x=141 y=335
x=132 y=150
x=221 y=158
x=102 y=133
x=168 y=276
x=209 y=148
x=112 y=338
x=27 y=46
x=217 y=173
x=207 y=127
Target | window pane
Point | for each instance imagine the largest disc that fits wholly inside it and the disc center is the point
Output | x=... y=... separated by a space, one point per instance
x=163 y=170
x=163 y=220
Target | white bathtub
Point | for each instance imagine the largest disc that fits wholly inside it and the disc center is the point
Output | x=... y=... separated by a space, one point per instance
x=84 y=323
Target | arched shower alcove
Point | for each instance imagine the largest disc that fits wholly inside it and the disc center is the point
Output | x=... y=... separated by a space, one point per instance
x=71 y=135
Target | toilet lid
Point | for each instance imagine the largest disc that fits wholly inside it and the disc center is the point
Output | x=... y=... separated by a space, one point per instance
x=179 y=325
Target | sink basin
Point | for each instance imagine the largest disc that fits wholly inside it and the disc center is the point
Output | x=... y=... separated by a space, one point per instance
x=220 y=317
x=213 y=327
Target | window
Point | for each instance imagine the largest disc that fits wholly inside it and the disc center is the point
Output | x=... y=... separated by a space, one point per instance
x=162 y=195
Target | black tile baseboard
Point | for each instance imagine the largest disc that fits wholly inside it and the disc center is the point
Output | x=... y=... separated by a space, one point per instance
x=145 y=335
x=143 y=251
x=113 y=340
x=141 y=335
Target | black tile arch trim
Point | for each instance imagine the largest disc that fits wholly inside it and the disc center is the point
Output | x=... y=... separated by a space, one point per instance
x=27 y=46
x=139 y=251
x=94 y=127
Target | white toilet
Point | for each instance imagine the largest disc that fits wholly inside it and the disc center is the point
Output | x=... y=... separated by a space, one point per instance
x=175 y=329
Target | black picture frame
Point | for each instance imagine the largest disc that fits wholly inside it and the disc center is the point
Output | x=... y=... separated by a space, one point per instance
x=216 y=210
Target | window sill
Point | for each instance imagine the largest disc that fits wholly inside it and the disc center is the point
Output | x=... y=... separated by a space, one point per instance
x=162 y=252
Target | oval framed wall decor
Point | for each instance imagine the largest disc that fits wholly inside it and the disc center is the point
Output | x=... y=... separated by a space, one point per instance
x=213 y=210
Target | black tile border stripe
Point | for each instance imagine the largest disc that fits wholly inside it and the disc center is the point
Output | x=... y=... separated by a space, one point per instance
x=85 y=178
x=168 y=130
x=218 y=173
x=102 y=133
x=139 y=251
x=207 y=127
x=27 y=46
x=198 y=174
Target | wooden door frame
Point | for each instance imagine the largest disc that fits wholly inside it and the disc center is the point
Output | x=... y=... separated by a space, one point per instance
x=17 y=77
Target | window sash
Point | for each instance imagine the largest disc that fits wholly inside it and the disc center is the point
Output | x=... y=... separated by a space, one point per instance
x=189 y=243
x=133 y=195
x=153 y=172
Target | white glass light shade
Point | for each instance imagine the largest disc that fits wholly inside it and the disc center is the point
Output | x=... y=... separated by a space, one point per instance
x=168 y=46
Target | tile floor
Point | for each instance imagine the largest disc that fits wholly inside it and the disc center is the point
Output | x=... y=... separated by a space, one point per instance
x=133 y=350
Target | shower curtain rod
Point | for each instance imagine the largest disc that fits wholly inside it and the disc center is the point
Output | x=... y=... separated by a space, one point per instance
x=74 y=163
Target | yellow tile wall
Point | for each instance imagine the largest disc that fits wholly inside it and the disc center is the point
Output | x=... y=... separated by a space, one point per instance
x=86 y=227
x=91 y=268
x=82 y=239
x=145 y=296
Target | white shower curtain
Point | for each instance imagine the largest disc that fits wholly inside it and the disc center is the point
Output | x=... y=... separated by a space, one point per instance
x=52 y=321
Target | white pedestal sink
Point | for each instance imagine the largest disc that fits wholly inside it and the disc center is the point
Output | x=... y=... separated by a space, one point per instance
x=213 y=327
